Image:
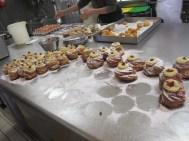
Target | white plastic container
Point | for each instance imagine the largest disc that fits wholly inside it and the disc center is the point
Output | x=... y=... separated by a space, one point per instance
x=19 y=32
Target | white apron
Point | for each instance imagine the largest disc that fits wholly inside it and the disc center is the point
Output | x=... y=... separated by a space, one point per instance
x=169 y=10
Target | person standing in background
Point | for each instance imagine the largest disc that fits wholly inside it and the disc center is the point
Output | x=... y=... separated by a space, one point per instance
x=169 y=10
x=108 y=10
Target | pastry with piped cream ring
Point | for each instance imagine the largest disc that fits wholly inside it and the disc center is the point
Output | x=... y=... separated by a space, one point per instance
x=86 y=54
x=169 y=73
x=41 y=68
x=52 y=63
x=95 y=60
x=138 y=64
x=30 y=72
x=173 y=94
x=153 y=67
x=125 y=72
x=13 y=73
x=182 y=65
x=104 y=51
x=80 y=49
x=113 y=59
x=72 y=53
x=116 y=46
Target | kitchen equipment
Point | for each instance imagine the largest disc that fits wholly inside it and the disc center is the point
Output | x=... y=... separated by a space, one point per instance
x=79 y=40
x=19 y=32
x=130 y=40
x=3 y=48
x=50 y=43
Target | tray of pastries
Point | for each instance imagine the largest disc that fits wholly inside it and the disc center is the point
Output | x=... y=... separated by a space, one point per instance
x=76 y=30
x=128 y=30
x=46 y=29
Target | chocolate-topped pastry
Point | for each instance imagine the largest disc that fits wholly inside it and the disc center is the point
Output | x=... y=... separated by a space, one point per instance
x=138 y=64
x=113 y=59
x=80 y=49
x=125 y=72
x=86 y=54
x=182 y=65
x=13 y=73
x=41 y=68
x=169 y=73
x=72 y=53
x=95 y=60
x=104 y=51
x=117 y=47
x=52 y=63
x=173 y=95
x=30 y=72
x=153 y=67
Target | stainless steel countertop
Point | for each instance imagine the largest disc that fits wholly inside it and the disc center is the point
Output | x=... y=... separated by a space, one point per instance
x=95 y=105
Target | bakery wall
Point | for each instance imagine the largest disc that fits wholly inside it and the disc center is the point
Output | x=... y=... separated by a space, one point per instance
x=19 y=10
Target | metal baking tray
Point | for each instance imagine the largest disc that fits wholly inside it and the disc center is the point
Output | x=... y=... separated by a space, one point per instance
x=47 y=33
x=130 y=40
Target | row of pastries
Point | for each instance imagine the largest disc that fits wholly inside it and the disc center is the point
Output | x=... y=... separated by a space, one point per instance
x=170 y=79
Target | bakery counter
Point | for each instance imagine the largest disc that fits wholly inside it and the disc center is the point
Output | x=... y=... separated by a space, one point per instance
x=77 y=103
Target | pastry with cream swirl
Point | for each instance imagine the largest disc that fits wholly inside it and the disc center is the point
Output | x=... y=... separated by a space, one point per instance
x=113 y=59
x=116 y=46
x=138 y=64
x=125 y=72
x=30 y=72
x=173 y=94
x=72 y=53
x=182 y=65
x=169 y=73
x=85 y=54
x=153 y=67
x=95 y=60
x=104 y=51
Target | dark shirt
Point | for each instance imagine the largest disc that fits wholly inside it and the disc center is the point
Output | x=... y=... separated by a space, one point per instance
x=113 y=16
x=97 y=3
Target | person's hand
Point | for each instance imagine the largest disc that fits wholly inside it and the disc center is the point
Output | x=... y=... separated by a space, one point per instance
x=59 y=14
x=85 y=13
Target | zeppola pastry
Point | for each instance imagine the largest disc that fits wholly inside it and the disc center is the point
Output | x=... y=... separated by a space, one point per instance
x=61 y=57
x=104 y=51
x=30 y=72
x=116 y=46
x=95 y=60
x=86 y=54
x=173 y=94
x=41 y=68
x=13 y=73
x=169 y=73
x=113 y=59
x=72 y=53
x=182 y=65
x=80 y=49
x=153 y=67
x=52 y=63
x=138 y=64
x=125 y=72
